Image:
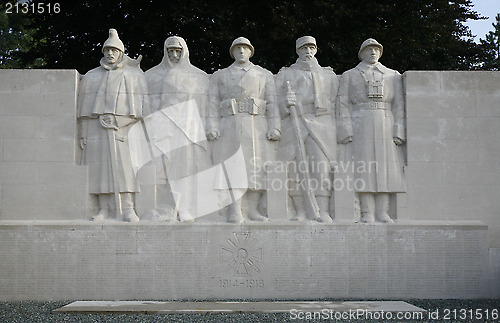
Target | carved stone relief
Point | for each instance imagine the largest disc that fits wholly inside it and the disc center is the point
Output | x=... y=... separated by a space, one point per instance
x=208 y=141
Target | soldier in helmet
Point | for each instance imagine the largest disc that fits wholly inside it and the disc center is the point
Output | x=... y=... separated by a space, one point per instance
x=111 y=98
x=313 y=90
x=373 y=94
x=243 y=113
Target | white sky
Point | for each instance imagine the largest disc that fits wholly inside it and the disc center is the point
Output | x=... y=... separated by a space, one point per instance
x=487 y=8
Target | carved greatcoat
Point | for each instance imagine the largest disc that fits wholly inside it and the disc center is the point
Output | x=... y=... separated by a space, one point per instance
x=315 y=88
x=373 y=95
x=119 y=91
x=243 y=107
x=172 y=83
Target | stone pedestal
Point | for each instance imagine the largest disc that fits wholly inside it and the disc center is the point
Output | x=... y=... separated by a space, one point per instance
x=63 y=260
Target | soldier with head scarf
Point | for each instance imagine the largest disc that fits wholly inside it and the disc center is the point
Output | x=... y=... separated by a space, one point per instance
x=373 y=96
x=175 y=79
x=111 y=98
x=173 y=82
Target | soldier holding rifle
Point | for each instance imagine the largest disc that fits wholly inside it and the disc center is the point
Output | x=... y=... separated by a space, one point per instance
x=308 y=143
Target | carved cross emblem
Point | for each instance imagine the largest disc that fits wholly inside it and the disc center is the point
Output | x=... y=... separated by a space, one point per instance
x=241 y=255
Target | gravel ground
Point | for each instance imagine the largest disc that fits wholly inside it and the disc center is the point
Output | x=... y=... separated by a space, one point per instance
x=457 y=310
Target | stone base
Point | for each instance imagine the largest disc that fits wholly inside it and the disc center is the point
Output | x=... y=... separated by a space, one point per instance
x=67 y=260
x=324 y=310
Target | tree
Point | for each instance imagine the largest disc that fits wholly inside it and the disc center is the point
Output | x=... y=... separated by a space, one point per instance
x=491 y=47
x=15 y=39
x=418 y=34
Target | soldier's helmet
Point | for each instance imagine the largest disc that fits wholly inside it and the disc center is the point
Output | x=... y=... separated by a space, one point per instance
x=370 y=42
x=113 y=41
x=241 y=41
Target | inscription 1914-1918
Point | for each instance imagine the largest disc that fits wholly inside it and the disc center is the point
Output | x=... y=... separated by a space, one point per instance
x=241 y=283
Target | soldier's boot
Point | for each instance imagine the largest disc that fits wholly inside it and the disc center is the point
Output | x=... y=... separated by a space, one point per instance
x=298 y=202
x=235 y=215
x=324 y=206
x=367 y=204
x=253 y=199
x=185 y=218
x=129 y=214
x=382 y=205
x=103 y=203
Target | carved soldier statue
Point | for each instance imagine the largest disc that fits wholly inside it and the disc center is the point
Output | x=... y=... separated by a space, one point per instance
x=312 y=90
x=373 y=94
x=111 y=98
x=243 y=113
x=175 y=81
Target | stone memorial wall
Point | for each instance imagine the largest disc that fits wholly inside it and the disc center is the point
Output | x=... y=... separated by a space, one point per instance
x=453 y=154
x=40 y=175
x=278 y=244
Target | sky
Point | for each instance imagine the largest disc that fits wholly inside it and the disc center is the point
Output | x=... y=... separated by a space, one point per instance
x=488 y=8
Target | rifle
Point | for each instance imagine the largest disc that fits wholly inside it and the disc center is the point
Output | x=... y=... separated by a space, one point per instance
x=310 y=204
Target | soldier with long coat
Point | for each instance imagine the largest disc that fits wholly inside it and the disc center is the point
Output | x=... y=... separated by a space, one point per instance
x=111 y=98
x=315 y=89
x=373 y=95
x=243 y=113
x=175 y=81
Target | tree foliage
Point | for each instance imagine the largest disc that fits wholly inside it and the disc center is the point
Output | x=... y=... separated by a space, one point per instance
x=491 y=47
x=417 y=34
x=15 y=39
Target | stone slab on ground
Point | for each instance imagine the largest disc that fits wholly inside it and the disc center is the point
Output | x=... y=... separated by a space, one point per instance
x=156 y=307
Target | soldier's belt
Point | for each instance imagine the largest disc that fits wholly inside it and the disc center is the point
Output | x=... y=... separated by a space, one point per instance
x=372 y=106
x=249 y=105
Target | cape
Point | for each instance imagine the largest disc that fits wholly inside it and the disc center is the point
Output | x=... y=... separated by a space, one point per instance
x=119 y=90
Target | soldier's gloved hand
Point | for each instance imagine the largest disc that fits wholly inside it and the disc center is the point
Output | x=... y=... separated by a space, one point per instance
x=273 y=135
x=346 y=140
x=108 y=121
x=213 y=134
x=398 y=141
x=291 y=99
